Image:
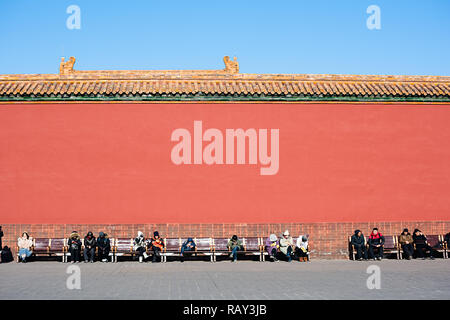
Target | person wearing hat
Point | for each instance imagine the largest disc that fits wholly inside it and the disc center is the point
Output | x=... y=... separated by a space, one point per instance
x=376 y=242
x=74 y=244
x=359 y=243
x=104 y=246
x=188 y=245
x=287 y=245
x=421 y=243
x=406 y=241
x=272 y=246
x=89 y=247
x=234 y=244
x=301 y=250
x=157 y=245
x=140 y=246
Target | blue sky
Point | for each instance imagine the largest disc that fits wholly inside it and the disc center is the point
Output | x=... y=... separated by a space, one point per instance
x=267 y=36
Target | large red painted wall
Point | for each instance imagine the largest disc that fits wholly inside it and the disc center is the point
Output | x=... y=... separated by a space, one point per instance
x=110 y=163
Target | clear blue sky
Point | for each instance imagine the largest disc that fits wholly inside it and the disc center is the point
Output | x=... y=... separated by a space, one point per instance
x=284 y=36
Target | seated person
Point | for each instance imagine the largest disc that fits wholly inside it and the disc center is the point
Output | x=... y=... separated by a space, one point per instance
x=272 y=246
x=422 y=246
x=447 y=240
x=104 y=246
x=359 y=243
x=188 y=245
x=406 y=242
x=234 y=244
x=74 y=244
x=89 y=247
x=301 y=250
x=376 y=242
x=25 y=242
x=157 y=245
x=287 y=245
x=140 y=246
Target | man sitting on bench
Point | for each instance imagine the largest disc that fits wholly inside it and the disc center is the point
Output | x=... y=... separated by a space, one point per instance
x=234 y=244
x=157 y=244
x=301 y=250
x=359 y=243
x=188 y=245
x=140 y=246
x=376 y=242
x=104 y=246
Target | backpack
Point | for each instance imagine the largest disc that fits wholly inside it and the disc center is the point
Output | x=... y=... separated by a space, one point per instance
x=6 y=255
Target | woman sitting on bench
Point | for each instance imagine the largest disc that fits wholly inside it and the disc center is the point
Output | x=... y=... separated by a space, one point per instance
x=188 y=245
x=25 y=242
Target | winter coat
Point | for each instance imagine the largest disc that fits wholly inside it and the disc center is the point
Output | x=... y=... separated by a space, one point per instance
x=139 y=242
x=358 y=241
x=376 y=239
x=420 y=240
x=103 y=243
x=403 y=238
x=190 y=242
x=74 y=241
x=285 y=243
x=90 y=243
x=233 y=244
x=157 y=243
x=271 y=244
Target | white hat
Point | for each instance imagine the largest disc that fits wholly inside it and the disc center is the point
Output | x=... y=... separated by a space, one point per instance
x=286 y=233
x=140 y=234
x=273 y=237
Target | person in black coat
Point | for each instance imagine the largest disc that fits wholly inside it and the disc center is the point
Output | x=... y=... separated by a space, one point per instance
x=422 y=246
x=89 y=247
x=359 y=243
x=376 y=243
x=74 y=244
x=104 y=246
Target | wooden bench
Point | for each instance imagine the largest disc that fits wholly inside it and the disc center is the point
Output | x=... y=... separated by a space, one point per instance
x=204 y=246
x=391 y=246
x=436 y=241
x=251 y=246
x=172 y=247
x=48 y=247
x=122 y=247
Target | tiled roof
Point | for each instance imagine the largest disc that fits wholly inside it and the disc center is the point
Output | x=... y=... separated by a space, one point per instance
x=227 y=83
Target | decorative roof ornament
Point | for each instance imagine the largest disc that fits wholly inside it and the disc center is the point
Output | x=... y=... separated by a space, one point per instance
x=231 y=66
x=66 y=67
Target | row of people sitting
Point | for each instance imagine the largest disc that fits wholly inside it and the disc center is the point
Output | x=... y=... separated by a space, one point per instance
x=410 y=244
x=276 y=248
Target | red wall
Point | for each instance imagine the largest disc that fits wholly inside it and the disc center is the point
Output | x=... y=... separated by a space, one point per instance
x=109 y=163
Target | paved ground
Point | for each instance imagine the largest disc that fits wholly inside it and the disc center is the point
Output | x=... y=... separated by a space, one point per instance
x=318 y=279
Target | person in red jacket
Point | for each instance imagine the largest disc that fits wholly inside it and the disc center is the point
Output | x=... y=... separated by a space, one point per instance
x=157 y=245
x=376 y=242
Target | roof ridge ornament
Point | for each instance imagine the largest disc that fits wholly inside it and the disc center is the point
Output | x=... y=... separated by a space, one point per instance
x=231 y=66
x=66 y=67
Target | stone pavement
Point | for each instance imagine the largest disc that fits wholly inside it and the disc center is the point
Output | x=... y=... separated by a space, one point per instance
x=318 y=279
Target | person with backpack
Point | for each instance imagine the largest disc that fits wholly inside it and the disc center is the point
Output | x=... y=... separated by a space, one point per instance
x=406 y=241
x=422 y=246
x=287 y=246
x=156 y=245
x=358 y=242
x=188 y=245
x=301 y=250
x=104 y=246
x=272 y=246
x=74 y=244
x=376 y=242
x=140 y=246
x=24 y=243
x=90 y=243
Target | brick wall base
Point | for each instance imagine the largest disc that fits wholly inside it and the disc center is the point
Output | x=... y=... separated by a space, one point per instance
x=327 y=240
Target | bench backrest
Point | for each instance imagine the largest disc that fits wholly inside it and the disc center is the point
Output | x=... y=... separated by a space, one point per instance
x=220 y=244
x=203 y=244
x=434 y=240
x=389 y=242
x=57 y=244
x=41 y=244
x=251 y=244
x=123 y=244
x=173 y=244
